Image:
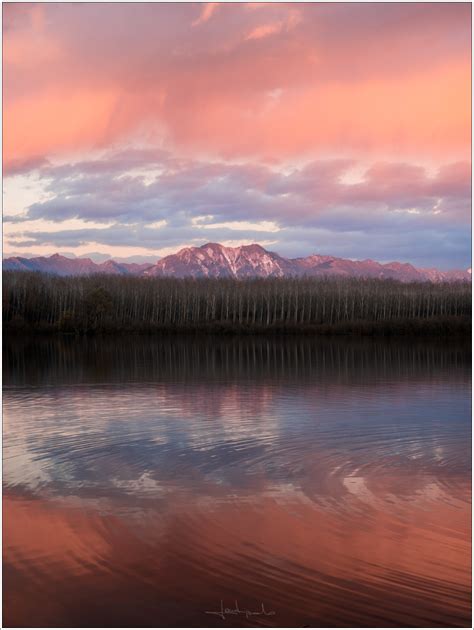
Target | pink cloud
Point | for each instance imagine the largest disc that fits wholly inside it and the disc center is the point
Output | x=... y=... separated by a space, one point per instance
x=264 y=31
x=292 y=18
x=206 y=13
x=351 y=80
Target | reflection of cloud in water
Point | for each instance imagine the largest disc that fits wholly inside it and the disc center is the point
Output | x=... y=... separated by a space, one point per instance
x=300 y=559
x=176 y=434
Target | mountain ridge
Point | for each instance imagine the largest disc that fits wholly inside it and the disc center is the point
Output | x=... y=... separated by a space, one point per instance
x=213 y=260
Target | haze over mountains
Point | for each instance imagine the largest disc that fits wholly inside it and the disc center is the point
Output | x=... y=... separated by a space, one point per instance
x=247 y=261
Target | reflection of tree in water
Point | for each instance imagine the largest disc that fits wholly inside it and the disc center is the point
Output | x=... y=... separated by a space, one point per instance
x=191 y=359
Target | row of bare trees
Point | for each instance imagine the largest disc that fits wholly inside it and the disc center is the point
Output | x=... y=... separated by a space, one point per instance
x=126 y=303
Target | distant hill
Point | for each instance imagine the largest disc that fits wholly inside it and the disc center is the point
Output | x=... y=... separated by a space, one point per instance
x=247 y=261
x=63 y=266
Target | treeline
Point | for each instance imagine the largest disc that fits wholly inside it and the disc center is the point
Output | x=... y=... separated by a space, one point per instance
x=33 y=301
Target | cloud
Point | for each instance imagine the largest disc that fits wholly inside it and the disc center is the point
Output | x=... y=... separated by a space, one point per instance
x=388 y=82
x=18 y=166
x=317 y=127
x=153 y=199
x=264 y=30
x=291 y=19
x=156 y=225
x=206 y=223
x=207 y=11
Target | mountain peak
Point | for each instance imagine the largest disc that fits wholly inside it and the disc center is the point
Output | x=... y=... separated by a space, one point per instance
x=212 y=246
x=254 y=247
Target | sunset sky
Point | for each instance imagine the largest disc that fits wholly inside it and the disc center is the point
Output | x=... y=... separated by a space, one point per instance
x=138 y=129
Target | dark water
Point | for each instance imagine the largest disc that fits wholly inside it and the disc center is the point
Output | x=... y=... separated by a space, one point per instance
x=146 y=480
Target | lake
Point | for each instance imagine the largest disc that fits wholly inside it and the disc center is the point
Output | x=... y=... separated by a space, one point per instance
x=213 y=481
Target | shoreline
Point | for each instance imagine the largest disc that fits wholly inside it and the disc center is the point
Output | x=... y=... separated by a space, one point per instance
x=429 y=327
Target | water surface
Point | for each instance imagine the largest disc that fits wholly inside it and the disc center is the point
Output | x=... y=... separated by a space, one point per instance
x=315 y=482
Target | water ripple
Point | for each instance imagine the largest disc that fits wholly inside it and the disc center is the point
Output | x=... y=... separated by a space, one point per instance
x=333 y=497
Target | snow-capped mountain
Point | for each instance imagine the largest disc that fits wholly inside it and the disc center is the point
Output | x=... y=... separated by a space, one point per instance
x=216 y=261
x=247 y=261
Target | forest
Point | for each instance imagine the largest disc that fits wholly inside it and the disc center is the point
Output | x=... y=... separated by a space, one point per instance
x=100 y=304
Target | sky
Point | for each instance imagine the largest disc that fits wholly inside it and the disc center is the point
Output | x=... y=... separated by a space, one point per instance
x=133 y=130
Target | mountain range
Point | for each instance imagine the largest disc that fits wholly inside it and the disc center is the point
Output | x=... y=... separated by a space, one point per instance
x=247 y=261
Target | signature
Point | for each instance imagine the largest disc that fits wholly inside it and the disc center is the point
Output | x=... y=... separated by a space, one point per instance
x=238 y=611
